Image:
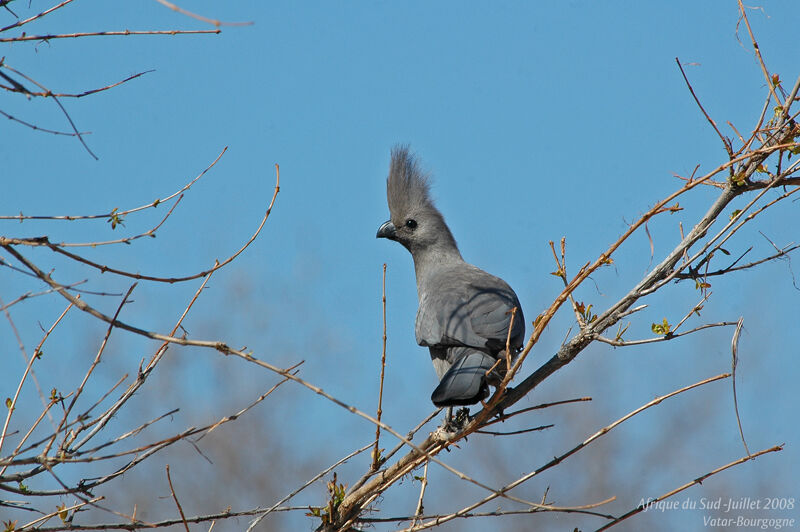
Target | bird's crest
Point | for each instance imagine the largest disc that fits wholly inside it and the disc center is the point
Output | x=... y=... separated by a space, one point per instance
x=407 y=189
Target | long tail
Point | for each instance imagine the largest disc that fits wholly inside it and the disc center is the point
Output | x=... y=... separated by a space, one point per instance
x=465 y=381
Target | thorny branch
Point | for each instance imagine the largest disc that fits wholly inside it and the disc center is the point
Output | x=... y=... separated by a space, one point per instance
x=780 y=138
x=16 y=86
x=698 y=480
x=742 y=173
x=122 y=33
x=557 y=460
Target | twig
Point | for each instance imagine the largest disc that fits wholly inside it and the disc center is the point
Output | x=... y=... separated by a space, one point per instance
x=28 y=295
x=43 y=241
x=409 y=435
x=664 y=338
x=758 y=54
x=376 y=459
x=582 y=509
x=698 y=480
x=31 y=19
x=135 y=524
x=657 y=277
x=731 y=227
x=47 y=93
x=43 y=129
x=93 y=365
x=240 y=353
x=128 y=239
x=104 y=419
x=508 y=338
x=55 y=99
x=175 y=498
x=8 y=242
x=555 y=461
x=515 y=432
x=497 y=513
x=122 y=33
x=80 y=418
x=725 y=141
x=216 y=23
x=307 y=484
x=115 y=212
x=91 y=453
x=45 y=518
x=260 y=398
x=420 y=507
x=7 y=461
x=11 y=407
x=734 y=363
x=505 y=416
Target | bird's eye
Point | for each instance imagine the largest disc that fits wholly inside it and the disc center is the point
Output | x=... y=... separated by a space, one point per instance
x=411 y=224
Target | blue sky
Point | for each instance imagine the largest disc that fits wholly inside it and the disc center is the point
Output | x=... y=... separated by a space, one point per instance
x=537 y=121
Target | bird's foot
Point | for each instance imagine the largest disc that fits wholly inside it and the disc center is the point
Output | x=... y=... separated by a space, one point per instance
x=455 y=422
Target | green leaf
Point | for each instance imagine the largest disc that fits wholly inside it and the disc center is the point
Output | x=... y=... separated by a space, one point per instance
x=585 y=312
x=662 y=328
x=701 y=285
x=9 y=402
x=736 y=213
x=115 y=219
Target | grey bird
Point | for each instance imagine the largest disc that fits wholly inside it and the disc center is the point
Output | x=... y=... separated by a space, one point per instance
x=464 y=313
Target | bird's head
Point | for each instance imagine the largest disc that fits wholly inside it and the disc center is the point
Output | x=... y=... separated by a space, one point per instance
x=415 y=222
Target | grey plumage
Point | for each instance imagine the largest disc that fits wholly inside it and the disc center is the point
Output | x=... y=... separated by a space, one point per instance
x=464 y=313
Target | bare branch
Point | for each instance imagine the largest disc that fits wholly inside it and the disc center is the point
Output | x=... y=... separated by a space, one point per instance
x=316 y=477
x=698 y=480
x=665 y=338
x=31 y=19
x=11 y=406
x=71 y=217
x=175 y=498
x=734 y=363
x=44 y=241
x=46 y=94
x=216 y=23
x=725 y=141
x=123 y=33
x=44 y=130
x=376 y=458
x=757 y=51
x=55 y=99
x=557 y=460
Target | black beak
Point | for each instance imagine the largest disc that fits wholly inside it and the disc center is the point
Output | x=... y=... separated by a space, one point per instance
x=387 y=230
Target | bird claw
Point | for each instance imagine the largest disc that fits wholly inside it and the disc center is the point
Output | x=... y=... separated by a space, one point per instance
x=454 y=423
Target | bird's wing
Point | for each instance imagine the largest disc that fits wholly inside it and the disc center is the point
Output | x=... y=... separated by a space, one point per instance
x=468 y=307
